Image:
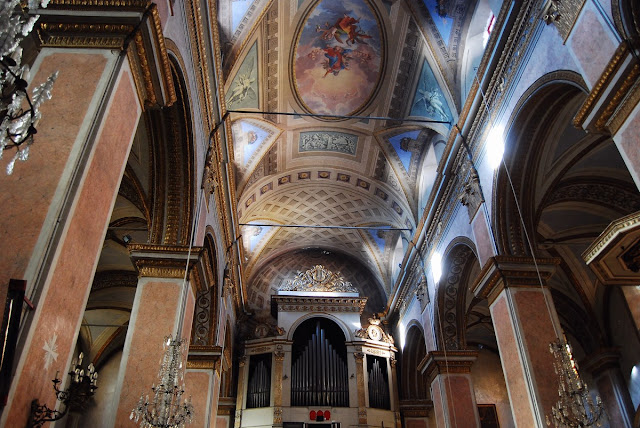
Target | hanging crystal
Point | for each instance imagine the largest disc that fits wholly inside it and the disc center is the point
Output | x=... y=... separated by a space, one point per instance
x=575 y=407
x=166 y=408
x=19 y=113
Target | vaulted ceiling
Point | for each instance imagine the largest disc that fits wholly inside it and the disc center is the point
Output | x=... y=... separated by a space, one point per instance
x=390 y=77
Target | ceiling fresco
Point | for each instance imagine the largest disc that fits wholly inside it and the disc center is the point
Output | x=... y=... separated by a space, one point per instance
x=244 y=89
x=338 y=57
x=310 y=187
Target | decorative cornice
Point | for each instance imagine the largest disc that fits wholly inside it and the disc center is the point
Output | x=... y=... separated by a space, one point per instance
x=101 y=4
x=613 y=256
x=416 y=408
x=610 y=234
x=140 y=34
x=502 y=272
x=447 y=362
x=610 y=101
x=204 y=357
x=602 y=360
x=319 y=304
x=160 y=261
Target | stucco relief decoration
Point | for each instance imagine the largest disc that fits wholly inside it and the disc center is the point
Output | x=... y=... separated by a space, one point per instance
x=319 y=279
x=429 y=100
x=338 y=57
x=328 y=142
x=243 y=92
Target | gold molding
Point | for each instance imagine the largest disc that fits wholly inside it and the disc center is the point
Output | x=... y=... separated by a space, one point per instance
x=321 y=304
x=447 y=362
x=147 y=54
x=500 y=272
x=599 y=88
x=158 y=261
x=623 y=102
x=107 y=4
x=610 y=235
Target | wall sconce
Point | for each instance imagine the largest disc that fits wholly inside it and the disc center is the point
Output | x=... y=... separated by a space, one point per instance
x=80 y=390
x=285 y=377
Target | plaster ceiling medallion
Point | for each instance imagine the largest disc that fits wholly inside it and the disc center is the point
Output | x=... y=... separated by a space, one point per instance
x=321 y=280
x=338 y=57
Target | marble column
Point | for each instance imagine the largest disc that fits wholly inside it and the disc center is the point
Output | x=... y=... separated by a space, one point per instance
x=202 y=382
x=243 y=368
x=449 y=374
x=604 y=365
x=158 y=311
x=362 y=393
x=525 y=322
x=277 y=387
x=395 y=394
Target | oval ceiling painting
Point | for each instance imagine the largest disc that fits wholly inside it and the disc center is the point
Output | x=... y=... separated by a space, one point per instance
x=338 y=57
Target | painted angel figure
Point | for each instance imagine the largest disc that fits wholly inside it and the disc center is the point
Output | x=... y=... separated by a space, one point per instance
x=337 y=58
x=242 y=89
x=432 y=102
x=345 y=26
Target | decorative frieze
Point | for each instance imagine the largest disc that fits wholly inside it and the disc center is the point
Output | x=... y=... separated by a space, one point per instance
x=319 y=304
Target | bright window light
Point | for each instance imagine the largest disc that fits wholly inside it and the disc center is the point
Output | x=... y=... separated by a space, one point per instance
x=495 y=146
x=436 y=266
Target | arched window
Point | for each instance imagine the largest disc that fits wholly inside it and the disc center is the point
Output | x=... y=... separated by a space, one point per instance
x=319 y=365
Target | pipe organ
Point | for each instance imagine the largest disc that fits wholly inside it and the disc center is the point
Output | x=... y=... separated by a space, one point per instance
x=316 y=356
x=319 y=373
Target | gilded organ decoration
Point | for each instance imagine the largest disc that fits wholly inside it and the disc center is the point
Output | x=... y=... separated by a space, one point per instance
x=319 y=279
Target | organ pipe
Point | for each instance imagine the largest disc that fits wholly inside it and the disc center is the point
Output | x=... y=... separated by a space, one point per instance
x=320 y=373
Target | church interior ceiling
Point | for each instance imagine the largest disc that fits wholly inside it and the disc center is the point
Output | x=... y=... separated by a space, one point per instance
x=365 y=180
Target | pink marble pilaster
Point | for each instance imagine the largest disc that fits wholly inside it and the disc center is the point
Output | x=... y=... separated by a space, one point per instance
x=56 y=320
x=589 y=28
x=605 y=368
x=627 y=140
x=451 y=385
x=525 y=323
x=482 y=237
x=156 y=314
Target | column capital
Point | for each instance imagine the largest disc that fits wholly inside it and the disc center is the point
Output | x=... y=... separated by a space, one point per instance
x=131 y=25
x=447 y=362
x=502 y=272
x=601 y=360
x=163 y=261
x=204 y=357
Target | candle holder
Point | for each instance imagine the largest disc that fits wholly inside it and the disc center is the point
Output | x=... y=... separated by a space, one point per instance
x=81 y=388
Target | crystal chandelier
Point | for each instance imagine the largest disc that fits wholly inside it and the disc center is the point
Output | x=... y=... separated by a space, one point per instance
x=575 y=407
x=82 y=386
x=166 y=409
x=19 y=113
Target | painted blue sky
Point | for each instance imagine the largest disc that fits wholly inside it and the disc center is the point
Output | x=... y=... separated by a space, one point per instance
x=250 y=149
x=429 y=101
x=238 y=9
x=444 y=24
x=378 y=240
x=405 y=157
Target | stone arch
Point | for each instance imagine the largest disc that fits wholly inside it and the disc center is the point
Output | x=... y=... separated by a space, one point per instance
x=412 y=384
x=451 y=295
x=543 y=101
x=345 y=330
x=173 y=165
x=205 y=317
x=563 y=188
x=626 y=15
